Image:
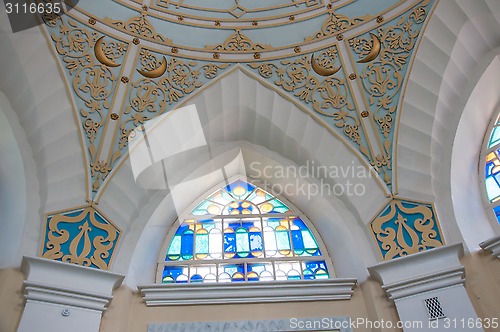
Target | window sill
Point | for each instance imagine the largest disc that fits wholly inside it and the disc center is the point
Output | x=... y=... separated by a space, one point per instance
x=252 y=292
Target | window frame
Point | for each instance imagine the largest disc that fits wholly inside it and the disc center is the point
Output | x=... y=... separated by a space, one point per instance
x=186 y=214
x=485 y=150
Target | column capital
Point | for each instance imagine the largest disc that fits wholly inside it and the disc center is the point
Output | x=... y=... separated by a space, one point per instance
x=61 y=283
x=492 y=245
x=421 y=272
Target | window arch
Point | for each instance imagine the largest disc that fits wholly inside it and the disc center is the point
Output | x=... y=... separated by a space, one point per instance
x=242 y=233
x=491 y=175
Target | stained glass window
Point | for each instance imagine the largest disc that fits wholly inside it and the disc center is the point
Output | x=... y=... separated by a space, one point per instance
x=242 y=233
x=492 y=168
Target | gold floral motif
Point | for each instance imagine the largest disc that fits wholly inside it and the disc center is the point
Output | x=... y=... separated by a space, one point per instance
x=329 y=96
x=88 y=246
x=407 y=228
x=382 y=78
x=99 y=171
x=139 y=26
x=238 y=42
x=93 y=83
x=149 y=98
x=336 y=23
x=382 y=165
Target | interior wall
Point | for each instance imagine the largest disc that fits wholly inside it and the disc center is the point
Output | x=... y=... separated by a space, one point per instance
x=482 y=283
x=127 y=312
x=368 y=301
x=11 y=299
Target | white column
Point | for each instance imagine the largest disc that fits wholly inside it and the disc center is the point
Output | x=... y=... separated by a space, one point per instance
x=492 y=245
x=64 y=297
x=435 y=276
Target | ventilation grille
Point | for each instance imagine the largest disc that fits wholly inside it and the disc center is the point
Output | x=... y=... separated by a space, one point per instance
x=434 y=308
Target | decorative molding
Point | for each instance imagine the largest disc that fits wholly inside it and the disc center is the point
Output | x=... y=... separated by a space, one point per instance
x=422 y=272
x=258 y=292
x=80 y=236
x=60 y=283
x=238 y=42
x=148 y=98
x=92 y=83
x=389 y=49
x=492 y=245
x=330 y=96
x=138 y=26
x=337 y=23
x=341 y=324
x=426 y=283
x=405 y=227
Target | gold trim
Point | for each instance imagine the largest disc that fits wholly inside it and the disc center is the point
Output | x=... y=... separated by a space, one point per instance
x=73 y=248
x=250 y=58
x=137 y=26
x=337 y=23
x=419 y=204
x=247 y=72
x=238 y=42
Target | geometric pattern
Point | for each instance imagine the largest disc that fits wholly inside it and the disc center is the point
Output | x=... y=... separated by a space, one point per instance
x=241 y=233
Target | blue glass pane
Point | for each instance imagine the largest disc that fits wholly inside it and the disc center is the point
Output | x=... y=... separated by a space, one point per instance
x=181 y=229
x=202 y=208
x=229 y=242
x=282 y=240
x=308 y=275
x=495 y=137
x=235 y=271
x=239 y=189
x=489 y=168
x=317 y=268
x=174 y=274
x=174 y=250
x=242 y=245
x=255 y=237
x=497 y=213
x=298 y=243
x=492 y=188
x=187 y=245
x=196 y=278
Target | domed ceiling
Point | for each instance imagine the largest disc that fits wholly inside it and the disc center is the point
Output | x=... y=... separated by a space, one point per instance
x=343 y=62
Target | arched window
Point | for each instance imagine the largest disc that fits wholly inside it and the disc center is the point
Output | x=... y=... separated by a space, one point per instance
x=242 y=233
x=491 y=155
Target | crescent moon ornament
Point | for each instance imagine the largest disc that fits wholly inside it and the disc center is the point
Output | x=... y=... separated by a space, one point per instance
x=155 y=72
x=374 y=52
x=322 y=70
x=101 y=57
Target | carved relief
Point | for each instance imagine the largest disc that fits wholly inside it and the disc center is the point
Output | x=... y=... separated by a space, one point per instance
x=92 y=82
x=81 y=236
x=148 y=98
x=238 y=42
x=382 y=77
x=138 y=26
x=405 y=227
x=336 y=23
x=330 y=97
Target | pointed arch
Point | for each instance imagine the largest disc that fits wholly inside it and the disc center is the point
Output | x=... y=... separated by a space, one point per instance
x=242 y=233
